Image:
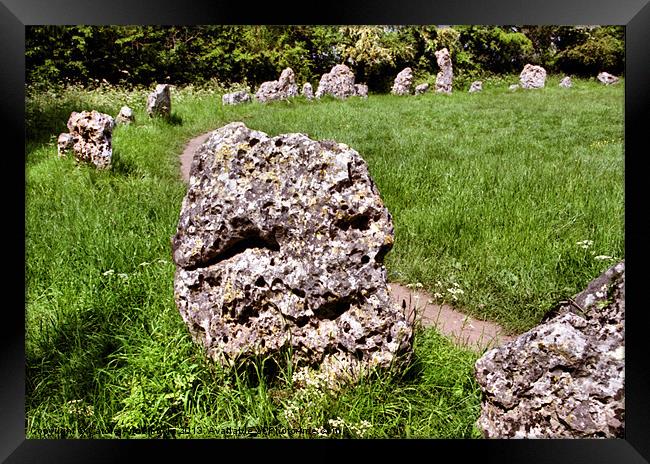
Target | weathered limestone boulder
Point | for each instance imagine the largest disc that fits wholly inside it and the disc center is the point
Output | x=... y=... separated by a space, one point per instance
x=280 y=245
x=235 y=98
x=159 y=102
x=285 y=87
x=565 y=377
x=403 y=84
x=307 y=91
x=477 y=86
x=607 y=78
x=422 y=88
x=532 y=77
x=90 y=134
x=339 y=83
x=513 y=87
x=64 y=143
x=445 y=76
x=361 y=90
x=566 y=82
x=125 y=116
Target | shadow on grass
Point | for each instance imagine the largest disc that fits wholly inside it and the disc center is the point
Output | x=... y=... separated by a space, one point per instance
x=122 y=166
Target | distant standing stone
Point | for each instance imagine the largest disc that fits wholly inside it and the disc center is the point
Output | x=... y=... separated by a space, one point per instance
x=307 y=91
x=159 y=102
x=125 y=116
x=285 y=87
x=422 y=88
x=92 y=134
x=477 y=86
x=446 y=74
x=361 y=90
x=532 y=77
x=566 y=82
x=403 y=84
x=235 y=98
x=339 y=83
x=607 y=78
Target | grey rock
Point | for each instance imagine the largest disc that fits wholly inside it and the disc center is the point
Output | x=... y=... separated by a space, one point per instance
x=607 y=78
x=64 y=143
x=285 y=87
x=566 y=82
x=307 y=91
x=339 y=83
x=532 y=77
x=159 y=102
x=565 y=377
x=513 y=87
x=477 y=86
x=403 y=84
x=445 y=77
x=125 y=116
x=235 y=98
x=91 y=134
x=422 y=88
x=361 y=90
x=280 y=245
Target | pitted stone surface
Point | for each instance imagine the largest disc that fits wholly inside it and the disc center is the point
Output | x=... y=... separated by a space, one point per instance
x=445 y=77
x=403 y=84
x=422 y=88
x=280 y=244
x=159 y=102
x=125 y=116
x=361 y=90
x=339 y=83
x=91 y=136
x=285 y=87
x=566 y=82
x=532 y=77
x=307 y=91
x=564 y=378
x=607 y=78
x=477 y=86
x=235 y=98
x=64 y=143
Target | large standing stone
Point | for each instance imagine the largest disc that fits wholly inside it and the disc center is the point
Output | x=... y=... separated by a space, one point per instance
x=125 y=116
x=91 y=134
x=235 y=98
x=565 y=377
x=477 y=86
x=403 y=84
x=445 y=77
x=280 y=245
x=159 y=102
x=339 y=83
x=307 y=91
x=361 y=90
x=566 y=82
x=285 y=87
x=422 y=88
x=532 y=77
x=607 y=78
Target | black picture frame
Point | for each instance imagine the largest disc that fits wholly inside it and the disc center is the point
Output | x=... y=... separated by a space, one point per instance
x=634 y=14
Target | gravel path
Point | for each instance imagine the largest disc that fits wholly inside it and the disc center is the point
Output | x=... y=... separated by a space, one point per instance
x=461 y=328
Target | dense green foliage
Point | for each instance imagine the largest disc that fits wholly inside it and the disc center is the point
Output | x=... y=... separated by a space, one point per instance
x=253 y=54
x=503 y=203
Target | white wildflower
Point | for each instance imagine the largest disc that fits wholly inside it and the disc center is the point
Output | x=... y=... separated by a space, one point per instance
x=603 y=257
x=123 y=276
x=109 y=272
x=585 y=243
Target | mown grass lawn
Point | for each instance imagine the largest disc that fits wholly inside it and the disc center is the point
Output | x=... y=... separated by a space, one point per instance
x=515 y=198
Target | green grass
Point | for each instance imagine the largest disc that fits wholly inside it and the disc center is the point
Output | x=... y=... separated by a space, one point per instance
x=489 y=193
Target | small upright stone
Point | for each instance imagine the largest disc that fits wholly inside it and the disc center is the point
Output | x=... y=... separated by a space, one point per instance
x=125 y=116
x=403 y=84
x=64 y=143
x=445 y=77
x=532 y=77
x=92 y=134
x=513 y=87
x=339 y=83
x=566 y=82
x=285 y=87
x=477 y=86
x=422 y=88
x=361 y=90
x=159 y=102
x=607 y=78
x=235 y=98
x=307 y=91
